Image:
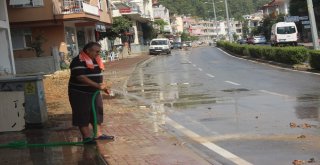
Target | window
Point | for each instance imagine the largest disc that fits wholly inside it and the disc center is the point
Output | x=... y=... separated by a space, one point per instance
x=21 y=38
x=26 y=3
x=286 y=30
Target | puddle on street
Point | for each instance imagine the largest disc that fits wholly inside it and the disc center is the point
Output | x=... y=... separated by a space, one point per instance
x=189 y=104
x=308 y=97
x=308 y=107
x=236 y=90
x=196 y=97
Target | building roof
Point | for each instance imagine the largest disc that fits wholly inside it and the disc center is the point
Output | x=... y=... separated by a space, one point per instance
x=273 y=3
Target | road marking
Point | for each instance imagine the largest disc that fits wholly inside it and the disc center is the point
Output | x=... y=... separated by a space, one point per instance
x=194 y=65
x=213 y=147
x=274 y=93
x=210 y=75
x=200 y=69
x=185 y=83
x=173 y=84
x=233 y=83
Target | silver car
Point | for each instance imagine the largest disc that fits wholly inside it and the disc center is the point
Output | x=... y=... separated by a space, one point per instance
x=259 y=40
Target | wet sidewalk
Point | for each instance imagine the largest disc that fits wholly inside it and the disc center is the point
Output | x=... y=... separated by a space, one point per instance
x=140 y=138
x=139 y=135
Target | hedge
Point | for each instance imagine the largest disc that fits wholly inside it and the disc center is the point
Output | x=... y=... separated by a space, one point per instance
x=315 y=59
x=287 y=55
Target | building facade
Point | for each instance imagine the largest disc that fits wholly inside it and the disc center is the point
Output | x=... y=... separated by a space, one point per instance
x=276 y=7
x=65 y=25
x=161 y=12
x=139 y=12
x=208 y=31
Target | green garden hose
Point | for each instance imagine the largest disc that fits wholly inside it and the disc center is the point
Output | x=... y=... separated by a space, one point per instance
x=25 y=144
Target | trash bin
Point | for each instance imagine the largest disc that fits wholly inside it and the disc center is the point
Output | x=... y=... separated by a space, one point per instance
x=34 y=97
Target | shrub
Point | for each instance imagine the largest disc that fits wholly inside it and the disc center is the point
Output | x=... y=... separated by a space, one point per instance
x=256 y=51
x=315 y=59
x=246 y=51
x=291 y=55
x=287 y=55
x=238 y=49
x=269 y=53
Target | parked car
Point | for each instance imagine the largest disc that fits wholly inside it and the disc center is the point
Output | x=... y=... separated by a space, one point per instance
x=259 y=40
x=250 y=40
x=241 y=41
x=160 y=45
x=189 y=43
x=184 y=44
x=177 y=45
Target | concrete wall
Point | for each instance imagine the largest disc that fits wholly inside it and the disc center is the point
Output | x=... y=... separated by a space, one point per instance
x=6 y=54
x=35 y=65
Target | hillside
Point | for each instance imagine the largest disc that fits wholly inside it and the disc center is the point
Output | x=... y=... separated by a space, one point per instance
x=199 y=8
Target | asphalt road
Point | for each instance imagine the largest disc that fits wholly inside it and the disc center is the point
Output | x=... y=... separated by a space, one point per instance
x=232 y=110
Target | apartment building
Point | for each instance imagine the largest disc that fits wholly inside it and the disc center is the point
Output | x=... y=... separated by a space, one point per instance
x=65 y=25
x=211 y=30
x=254 y=20
x=139 y=12
x=161 y=12
x=177 y=27
x=276 y=7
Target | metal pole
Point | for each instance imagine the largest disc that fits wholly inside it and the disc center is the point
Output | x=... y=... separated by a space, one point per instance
x=228 y=21
x=215 y=18
x=314 y=31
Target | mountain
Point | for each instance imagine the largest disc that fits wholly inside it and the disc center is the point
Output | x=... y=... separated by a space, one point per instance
x=199 y=8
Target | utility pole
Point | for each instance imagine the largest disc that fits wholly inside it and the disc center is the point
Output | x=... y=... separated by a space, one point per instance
x=228 y=21
x=215 y=18
x=314 y=30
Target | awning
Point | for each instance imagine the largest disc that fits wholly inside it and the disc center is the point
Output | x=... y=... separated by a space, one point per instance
x=121 y=5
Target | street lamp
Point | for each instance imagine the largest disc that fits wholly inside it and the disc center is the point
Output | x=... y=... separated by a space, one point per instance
x=215 y=16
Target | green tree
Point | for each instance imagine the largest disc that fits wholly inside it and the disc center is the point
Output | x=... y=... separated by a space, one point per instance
x=204 y=10
x=149 y=32
x=36 y=45
x=160 y=23
x=119 y=26
x=265 y=28
x=184 y=36
x=245 y=29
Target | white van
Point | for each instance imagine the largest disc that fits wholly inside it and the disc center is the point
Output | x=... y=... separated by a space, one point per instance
x=284 y=33
x=160 y=45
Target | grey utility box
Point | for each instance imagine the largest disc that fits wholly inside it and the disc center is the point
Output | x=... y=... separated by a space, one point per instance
x=35 y=103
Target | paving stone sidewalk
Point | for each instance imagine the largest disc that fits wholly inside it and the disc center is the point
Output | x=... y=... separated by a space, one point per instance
x=140 y=139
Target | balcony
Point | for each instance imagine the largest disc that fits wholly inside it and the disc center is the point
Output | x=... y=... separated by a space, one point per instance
x=132 y=10
x=65 y=7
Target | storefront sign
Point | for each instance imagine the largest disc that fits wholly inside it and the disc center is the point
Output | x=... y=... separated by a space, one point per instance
x=307 y=26
x=291 y=18
x=303 y=18
x=305 y=22
x=125 y=10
